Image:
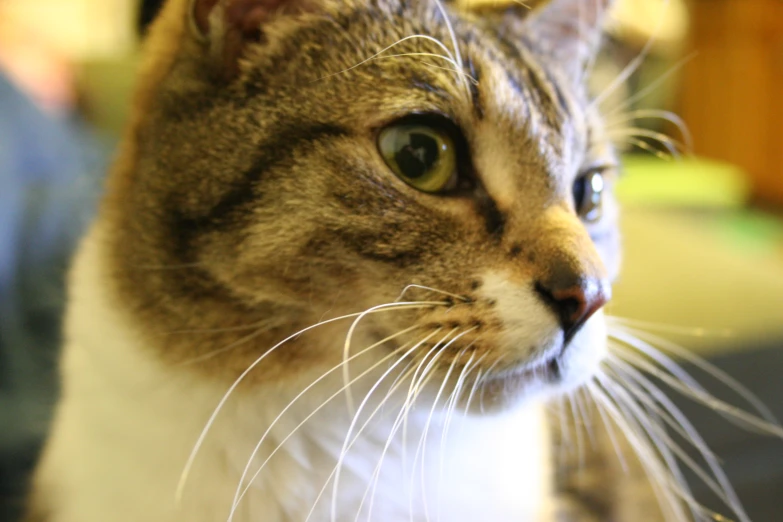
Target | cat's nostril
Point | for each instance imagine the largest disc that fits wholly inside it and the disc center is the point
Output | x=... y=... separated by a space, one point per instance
x=568 y=308
x=574 y=305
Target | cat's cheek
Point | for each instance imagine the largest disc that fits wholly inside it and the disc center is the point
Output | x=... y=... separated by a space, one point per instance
x=530 y=332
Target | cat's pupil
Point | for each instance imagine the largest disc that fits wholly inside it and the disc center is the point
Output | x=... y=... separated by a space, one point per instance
x=418 y=156
x=588 y=196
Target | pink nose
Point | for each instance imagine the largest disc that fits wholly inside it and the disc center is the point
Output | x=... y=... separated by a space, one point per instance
x=574 y=300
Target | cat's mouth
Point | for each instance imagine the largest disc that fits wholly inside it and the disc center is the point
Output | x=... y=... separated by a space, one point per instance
x=509 y=386
x=546 y=371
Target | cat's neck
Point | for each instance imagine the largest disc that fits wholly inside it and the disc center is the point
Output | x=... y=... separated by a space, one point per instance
x=113 y=383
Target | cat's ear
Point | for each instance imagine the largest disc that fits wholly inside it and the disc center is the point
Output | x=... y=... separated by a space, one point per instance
x=568 y=31
x=227 y=27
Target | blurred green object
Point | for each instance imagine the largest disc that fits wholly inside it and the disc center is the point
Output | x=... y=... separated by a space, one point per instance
x=752 y=232
x=692 y=182
x=696 y=184
x=107 y=87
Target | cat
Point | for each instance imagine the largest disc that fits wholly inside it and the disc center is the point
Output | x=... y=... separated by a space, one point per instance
x=349 y=254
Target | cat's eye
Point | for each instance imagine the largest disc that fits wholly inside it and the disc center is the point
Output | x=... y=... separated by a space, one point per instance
x=423 y=155
x=589 y=195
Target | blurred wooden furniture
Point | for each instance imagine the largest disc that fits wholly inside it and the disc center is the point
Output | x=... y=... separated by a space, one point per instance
x=732 y=95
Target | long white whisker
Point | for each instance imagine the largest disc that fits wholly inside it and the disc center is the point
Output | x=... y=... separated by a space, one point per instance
x=200 y=441
x=405 y=39
x=352 y=329
x=426 y=372
x=486 y=375
x=658 y=402
x=343 y=452
x=404 y=409
x=672 y=145
x=653 y=354
x=654 y=398
x=429 y=422
x=652 y=86
x=722 y=488
x=304 y=421
x=580 y=450
x=609 y=430
x=455 y=43
x=466 y=76
x=430 y=289
x=580 y=398
x=565 y=430
x=469 y=401
x=415 y=460
x=697 y=393
x=467 y=368
x=414 y=391
x=231 y=346
x=590 y=65
x=653 y=114
x=636 y=325
x=666 y=444
x=450 y=409
x=665 y=488
x=416 y=385
x=645 y=338
x=660 y=154
x=242 y=328
x=348 y=445
x=336 y=469
x=650 y=464
x=299 y=396
x=632 y=66
x=474 y=386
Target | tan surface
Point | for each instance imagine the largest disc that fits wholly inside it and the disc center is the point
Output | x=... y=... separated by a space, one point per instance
x=681 y=269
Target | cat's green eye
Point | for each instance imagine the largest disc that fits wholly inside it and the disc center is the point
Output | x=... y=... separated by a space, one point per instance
x=422 y=155
x=589 y=195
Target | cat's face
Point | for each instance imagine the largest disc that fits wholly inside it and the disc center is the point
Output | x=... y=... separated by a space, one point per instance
x=294 y=175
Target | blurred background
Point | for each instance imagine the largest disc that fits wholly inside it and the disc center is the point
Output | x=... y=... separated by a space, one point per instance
x=699 y=112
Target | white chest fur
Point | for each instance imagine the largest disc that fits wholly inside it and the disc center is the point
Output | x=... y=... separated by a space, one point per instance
x=126 y=425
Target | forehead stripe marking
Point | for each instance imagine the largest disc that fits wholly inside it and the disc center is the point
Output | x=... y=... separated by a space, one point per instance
x=279 y=149
x=475 y=93
x=537 y=87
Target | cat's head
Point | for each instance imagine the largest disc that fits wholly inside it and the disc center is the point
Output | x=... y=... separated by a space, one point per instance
x=294 y=160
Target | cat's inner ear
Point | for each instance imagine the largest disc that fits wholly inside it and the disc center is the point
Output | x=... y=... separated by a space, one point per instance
x=569 y=31
x=227 y=27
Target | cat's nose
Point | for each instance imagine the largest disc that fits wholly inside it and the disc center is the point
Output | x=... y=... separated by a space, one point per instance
x=574 y=299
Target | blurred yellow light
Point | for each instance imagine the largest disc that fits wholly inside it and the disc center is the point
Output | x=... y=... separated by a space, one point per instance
x=80 y=29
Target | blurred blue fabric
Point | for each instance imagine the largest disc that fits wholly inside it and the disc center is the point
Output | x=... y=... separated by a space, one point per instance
x=50 y=176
